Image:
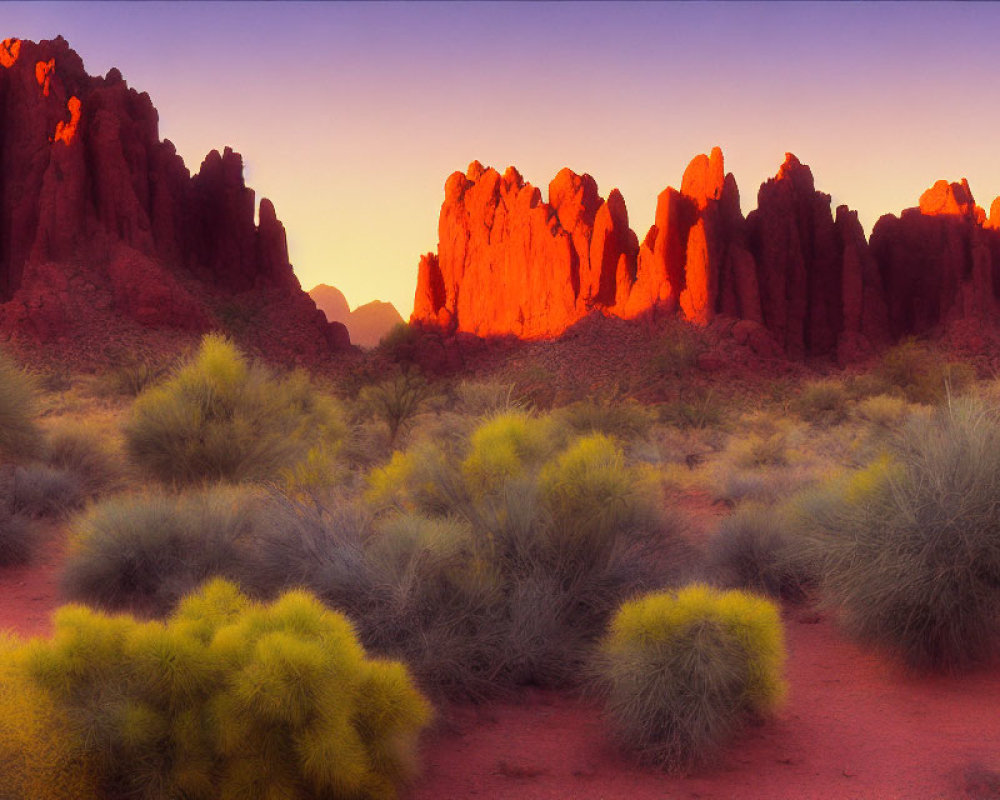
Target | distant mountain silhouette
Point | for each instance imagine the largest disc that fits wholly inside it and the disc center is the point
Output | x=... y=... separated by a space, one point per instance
x=367 y=324
x=105 y=236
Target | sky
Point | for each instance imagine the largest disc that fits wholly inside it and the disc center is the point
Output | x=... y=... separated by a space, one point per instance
x=351 y=116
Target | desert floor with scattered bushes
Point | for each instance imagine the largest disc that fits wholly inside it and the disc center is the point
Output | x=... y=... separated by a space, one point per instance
x=220 y=580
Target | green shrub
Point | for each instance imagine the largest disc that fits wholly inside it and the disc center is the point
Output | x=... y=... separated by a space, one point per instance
x=230 y=699
x=81 y=452
x=683 y=671
x=220 y=418
x=753 y=549
x=19 y=435
x=908 y=550
x=37 y=758
x=146 y=551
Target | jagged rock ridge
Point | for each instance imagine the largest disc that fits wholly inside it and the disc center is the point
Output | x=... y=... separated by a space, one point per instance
x=100 y=220
x=800 y=279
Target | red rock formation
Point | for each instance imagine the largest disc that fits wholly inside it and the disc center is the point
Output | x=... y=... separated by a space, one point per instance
x=507 y=263
x=818 y=288
x=89 y=193
x=940 y=260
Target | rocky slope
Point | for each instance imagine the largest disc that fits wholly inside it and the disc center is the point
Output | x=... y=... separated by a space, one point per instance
x=798 y=279
x=106 y=236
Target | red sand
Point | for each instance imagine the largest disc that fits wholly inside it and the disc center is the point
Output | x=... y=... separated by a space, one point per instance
x=855 y=726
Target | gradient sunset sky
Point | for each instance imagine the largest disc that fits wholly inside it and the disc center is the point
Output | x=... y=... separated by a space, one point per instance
x=351 y=116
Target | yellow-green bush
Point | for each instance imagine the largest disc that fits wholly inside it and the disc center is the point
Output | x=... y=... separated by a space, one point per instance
x=219 y=417
x=230 y=699
x=559 y=532
x=590 y=492
x=37 y=758
x=683 y=671
x=19 y=435
x=503 y=447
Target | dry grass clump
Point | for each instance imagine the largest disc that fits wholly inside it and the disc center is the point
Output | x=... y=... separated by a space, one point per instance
x=907 y=549
x=83 y=452
x=20 y=437
x=221 y=418
x=683 y=671
x=920 y=374
x=17 y=538
x=754 y=548
x=38 y=491
x=824 y=402
x=146 y=551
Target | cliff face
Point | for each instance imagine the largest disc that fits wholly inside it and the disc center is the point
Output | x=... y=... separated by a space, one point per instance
x=802 y=279
x=100 y=218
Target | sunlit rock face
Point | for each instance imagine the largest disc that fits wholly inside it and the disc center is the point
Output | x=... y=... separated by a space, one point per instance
x=99 y=216
x=801 y=279
x=802 y=282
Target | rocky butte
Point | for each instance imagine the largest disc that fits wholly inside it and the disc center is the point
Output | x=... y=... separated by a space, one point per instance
x=795 y=278
x=106 y=236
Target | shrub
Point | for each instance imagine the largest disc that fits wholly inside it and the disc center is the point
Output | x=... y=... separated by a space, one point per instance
x=220 y=418
x=751 y=549
x=907 y=549
x=41 y=491
x=17 y=538
x=397 y=400
x=823 y=402
x=486 y=397
x=625 y=419
x=503 y=447
x=922 y=375
x=683 y=671
x=146 y=551
x=37 y=758
x=699 y=408
x=883 y=410
x=230 y=699
x=132 y=377
x=19 y=435
x=562 y=533
x=81 y=452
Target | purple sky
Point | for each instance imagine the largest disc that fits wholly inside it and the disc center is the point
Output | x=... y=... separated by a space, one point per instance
x=351 y=116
